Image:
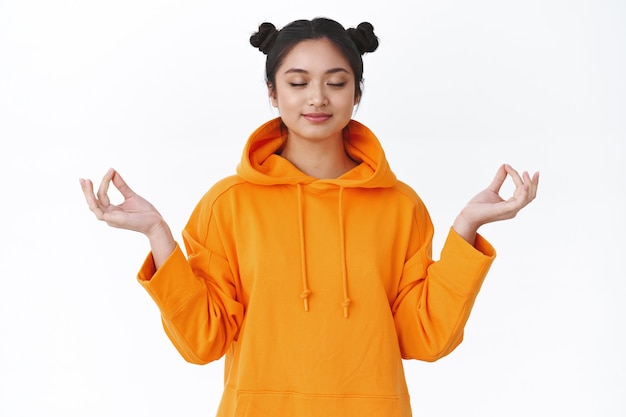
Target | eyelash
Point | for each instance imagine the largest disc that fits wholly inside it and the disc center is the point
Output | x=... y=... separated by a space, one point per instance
x=331 y=85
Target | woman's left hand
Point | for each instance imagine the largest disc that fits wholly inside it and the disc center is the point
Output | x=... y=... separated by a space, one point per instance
x=488 y=206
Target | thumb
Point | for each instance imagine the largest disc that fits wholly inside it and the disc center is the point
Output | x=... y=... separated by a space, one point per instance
x=121 y=185
x=498 y=180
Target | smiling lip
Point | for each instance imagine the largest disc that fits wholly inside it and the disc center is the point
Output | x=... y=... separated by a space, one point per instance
x=317 y=117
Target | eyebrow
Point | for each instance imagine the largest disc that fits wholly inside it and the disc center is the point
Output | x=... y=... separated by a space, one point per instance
x=303 y=71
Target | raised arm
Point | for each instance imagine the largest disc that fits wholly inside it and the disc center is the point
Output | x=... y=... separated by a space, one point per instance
x=435 y=299
x=134 y=213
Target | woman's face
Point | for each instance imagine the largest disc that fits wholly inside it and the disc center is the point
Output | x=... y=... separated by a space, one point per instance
x=314 y=91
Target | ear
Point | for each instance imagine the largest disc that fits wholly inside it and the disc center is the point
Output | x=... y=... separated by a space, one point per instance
x=271 y=93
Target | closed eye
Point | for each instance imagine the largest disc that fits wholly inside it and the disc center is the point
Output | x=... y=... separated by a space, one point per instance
x=297 y=84
x=336 y=84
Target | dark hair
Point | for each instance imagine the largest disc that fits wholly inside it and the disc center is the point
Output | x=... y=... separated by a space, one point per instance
x=352 y=43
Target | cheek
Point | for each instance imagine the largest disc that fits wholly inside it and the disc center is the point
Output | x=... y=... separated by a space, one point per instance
x=348 y=101
x=289 y=101
x=352 y=98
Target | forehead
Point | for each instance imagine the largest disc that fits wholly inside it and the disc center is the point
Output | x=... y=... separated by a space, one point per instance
x=314 y=55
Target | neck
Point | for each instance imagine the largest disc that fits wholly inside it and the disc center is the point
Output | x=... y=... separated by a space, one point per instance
x=324 y=160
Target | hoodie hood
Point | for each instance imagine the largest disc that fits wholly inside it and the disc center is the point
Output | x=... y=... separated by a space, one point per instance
x=261 y=165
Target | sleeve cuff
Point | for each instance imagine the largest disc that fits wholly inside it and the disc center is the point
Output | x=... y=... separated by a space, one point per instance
x=172 y=285
x=465 y=266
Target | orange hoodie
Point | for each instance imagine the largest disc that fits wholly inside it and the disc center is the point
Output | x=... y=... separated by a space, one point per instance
x=314 y=289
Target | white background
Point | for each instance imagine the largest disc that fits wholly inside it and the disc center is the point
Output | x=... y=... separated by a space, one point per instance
x=168 y=91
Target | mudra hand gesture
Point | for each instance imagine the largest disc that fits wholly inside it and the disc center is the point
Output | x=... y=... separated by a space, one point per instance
x=134 y=213
x=488 y=206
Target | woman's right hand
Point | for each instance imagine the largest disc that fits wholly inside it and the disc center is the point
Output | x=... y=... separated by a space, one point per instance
x=134 y=213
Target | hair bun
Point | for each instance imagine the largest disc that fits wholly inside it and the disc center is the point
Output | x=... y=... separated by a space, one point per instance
x=364 y=37
x=265 y=37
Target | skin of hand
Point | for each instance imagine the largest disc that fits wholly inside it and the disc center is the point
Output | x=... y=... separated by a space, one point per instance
x=134 y=213
x=488 y=206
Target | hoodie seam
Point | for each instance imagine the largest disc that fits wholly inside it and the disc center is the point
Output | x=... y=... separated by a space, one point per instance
x=213 y=196
x=316 y=395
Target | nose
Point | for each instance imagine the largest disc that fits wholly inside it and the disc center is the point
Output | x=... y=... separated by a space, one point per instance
x=317 y=96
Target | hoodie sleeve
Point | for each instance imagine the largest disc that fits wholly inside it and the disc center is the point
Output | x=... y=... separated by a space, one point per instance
x=435 y=299
x=196 y=294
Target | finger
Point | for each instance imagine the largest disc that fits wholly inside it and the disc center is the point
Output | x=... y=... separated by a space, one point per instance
x=528 y=186
x=121 y=185
x=90 y=197
x=517 y=179
x=104 y=188
x=87 y=187
x=531 y=184
x=498 y=180
x=534 y=184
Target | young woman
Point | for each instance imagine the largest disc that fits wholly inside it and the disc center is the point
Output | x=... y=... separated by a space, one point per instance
x=311 y=268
